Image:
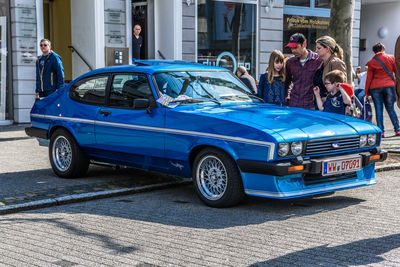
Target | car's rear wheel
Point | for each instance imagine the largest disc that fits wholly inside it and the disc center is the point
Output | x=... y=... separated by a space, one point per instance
x=217 y=179
x=66 y=157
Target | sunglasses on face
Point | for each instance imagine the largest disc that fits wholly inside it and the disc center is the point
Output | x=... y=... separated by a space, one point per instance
x=41 y=45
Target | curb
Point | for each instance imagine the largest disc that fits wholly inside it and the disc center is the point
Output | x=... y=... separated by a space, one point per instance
x=389 y=167
x=75 y=198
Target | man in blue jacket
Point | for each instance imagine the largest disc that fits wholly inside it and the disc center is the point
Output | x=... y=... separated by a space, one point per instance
x=49 y=71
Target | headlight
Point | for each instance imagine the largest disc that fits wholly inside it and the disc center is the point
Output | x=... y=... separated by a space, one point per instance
x=371 y=139
x=283 y=149
x=297 y=148
x=363 y=140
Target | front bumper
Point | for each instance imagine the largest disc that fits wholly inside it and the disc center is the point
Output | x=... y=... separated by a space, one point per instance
x=312 y=166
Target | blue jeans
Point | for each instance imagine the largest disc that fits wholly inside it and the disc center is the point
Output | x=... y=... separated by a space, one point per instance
x=385 y=96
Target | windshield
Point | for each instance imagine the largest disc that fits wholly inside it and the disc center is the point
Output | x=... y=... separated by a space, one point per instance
x=201 y=86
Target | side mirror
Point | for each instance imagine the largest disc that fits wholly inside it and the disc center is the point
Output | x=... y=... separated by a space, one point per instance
x=141 y=103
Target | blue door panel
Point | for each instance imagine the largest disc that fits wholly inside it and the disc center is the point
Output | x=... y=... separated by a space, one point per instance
x=128 y=131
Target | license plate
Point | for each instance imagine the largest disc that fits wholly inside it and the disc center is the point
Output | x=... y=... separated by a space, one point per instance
x=341 y=166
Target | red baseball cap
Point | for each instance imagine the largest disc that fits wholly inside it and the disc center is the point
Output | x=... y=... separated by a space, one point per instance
x=296 y=39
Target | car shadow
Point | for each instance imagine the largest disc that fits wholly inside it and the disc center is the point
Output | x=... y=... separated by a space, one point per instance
x=358 y=253
x=179 y=206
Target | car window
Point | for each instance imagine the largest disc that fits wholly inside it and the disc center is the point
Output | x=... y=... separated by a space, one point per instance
x=127 y=87
x=90 y=90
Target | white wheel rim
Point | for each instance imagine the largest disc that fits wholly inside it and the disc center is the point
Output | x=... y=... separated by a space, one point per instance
x=62 y=153
x=211 y=177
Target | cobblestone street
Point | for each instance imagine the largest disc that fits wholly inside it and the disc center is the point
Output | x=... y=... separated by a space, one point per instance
x=172 y=228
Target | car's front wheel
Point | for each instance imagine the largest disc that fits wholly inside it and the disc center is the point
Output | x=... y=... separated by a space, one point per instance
x=66 y=157
x=217 y=179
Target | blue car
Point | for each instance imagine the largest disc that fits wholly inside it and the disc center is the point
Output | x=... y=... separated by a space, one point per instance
x=202 y=122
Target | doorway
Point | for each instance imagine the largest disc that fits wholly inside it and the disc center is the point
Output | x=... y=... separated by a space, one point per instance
x=139 y=16
x=57 y=28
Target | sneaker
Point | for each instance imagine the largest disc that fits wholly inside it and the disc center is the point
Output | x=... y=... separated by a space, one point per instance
x=397 y=133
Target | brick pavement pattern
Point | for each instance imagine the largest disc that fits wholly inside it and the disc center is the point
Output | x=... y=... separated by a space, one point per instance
x=172 y=227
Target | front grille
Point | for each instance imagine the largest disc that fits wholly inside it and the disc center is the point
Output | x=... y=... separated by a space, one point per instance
x=332 y=145
x=313 y=179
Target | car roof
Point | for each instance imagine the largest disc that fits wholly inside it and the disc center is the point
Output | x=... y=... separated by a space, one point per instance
x=153 y=66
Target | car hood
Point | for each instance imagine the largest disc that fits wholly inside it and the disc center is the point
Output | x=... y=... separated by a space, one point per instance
x=289 y=123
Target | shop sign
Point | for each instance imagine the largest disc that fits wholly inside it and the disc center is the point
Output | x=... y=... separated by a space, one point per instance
x=297 y=22
x=114 y=17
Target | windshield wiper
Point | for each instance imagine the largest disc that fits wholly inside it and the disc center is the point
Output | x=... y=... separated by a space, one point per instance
x=190 y=100
x=234 y=97
x=256 y=97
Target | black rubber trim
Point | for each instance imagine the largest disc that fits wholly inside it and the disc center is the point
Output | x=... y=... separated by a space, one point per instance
x=312 y=166
x=36 y=132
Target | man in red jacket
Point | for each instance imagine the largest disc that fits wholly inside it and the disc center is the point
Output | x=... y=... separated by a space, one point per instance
x=380 y=85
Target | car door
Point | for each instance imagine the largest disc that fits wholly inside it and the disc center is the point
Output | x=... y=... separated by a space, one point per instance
x=127 y=133
x=87 y=94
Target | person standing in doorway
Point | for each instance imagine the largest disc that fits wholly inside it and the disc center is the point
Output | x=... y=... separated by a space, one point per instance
x=137 y=41
x=380 y=85
x=246 y=78
x=49 y=71
x=300 y=70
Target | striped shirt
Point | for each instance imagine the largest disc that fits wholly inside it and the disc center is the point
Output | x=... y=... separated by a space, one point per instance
x=301 y=95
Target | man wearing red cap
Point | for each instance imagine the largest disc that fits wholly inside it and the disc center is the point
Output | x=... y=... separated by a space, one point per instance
x=300 y=70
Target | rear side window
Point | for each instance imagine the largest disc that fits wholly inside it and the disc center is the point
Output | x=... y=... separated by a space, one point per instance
x=126 y=88
x=90 y=90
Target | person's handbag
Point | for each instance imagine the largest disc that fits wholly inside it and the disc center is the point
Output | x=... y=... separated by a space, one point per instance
x=366 y=113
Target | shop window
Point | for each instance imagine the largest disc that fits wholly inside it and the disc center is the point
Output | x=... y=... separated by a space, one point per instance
x=312 y=21
x=227 y=34
x=323 y=3
x=297 y=3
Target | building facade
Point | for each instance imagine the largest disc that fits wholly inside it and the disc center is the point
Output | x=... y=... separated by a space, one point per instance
x=96 y=33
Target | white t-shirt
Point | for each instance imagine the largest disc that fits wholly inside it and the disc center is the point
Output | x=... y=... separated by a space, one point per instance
x=363 y=78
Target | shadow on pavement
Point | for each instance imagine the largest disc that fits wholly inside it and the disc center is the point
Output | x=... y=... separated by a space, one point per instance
x=107 y=241
x=362 y=252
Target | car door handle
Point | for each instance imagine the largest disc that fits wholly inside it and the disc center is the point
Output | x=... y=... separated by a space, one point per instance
x=105 y=112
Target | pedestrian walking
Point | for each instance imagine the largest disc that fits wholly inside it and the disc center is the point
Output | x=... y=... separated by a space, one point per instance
x=272 y=83
x=397 y=60
x=137 y=41
x=246 y=78
x=300 y=70
x=337 y=98
x=331 y=54
x=361 y=78
x=49 y=71
x=380 y=85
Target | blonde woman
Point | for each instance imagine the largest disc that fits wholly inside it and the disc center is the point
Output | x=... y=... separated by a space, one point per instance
x=331 y=54
x=272 y=83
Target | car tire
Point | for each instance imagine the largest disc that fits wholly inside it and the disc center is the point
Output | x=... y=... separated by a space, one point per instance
x=66 y=157
x=217 y=179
